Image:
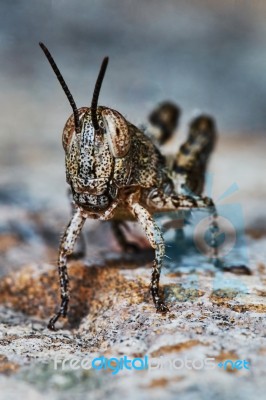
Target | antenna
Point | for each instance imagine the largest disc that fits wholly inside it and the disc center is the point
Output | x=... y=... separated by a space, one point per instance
x=64 y=86
x=96 y=93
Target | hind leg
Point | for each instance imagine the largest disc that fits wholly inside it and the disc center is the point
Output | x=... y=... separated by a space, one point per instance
x=163 y=122
x=193 y=156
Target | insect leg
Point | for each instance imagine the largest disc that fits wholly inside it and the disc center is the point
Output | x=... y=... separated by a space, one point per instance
x=158 y=200
x=175 y=202
x=193 y=156
x=215 y=230
x=66 y=248
x=163 y=202
x=80 y=250
x=156 y=240
x=190 y=202
x=217 y=261
x=163 y=122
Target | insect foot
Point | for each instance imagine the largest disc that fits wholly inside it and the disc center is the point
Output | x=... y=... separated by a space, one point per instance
x=161 y=307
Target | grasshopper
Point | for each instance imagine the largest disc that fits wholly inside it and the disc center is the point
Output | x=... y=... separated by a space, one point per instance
x=116 y=172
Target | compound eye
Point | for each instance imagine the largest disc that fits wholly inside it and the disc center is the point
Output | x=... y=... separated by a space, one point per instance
x=117 y=132
x=101 y=124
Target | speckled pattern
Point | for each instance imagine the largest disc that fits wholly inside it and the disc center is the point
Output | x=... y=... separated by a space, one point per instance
x=141 y=174
x=140 y=182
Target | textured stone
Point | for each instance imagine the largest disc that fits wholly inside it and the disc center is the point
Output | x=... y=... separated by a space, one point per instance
x=111 y=314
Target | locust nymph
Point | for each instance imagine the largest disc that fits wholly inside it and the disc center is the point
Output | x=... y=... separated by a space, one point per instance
x=115 y=172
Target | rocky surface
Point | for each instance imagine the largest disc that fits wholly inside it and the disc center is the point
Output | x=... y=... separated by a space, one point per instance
x=213 y=314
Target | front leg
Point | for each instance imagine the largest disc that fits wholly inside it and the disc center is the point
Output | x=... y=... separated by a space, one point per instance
x=66 y=248
x=156 y=240
x=80 y=250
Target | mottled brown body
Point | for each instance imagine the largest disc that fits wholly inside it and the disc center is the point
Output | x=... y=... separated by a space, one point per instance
x=116 y=172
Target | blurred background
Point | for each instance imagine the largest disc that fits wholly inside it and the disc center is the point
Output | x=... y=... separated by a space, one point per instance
x=204 y=55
